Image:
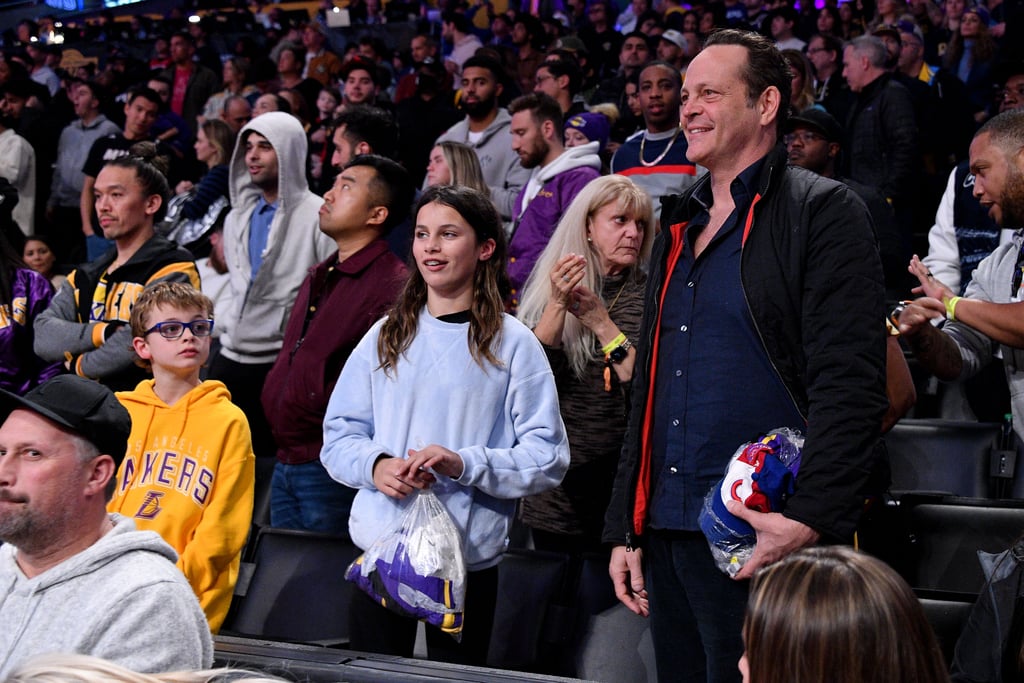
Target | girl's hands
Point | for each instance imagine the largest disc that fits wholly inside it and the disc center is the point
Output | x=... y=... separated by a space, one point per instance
x=392 y=478
x=398 y=478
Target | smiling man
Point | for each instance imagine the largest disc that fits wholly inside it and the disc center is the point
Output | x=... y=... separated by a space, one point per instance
x=75 y=578
x=746 y=277
x=271 y=238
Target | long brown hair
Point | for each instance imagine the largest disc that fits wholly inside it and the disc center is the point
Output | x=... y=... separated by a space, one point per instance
x=490 y=283
x=835 y=614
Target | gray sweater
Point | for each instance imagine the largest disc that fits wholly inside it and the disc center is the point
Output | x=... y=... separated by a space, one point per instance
x=122 y=599
x=499 y=163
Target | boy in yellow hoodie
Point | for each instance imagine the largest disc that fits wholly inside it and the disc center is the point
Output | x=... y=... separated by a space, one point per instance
x=189 y=471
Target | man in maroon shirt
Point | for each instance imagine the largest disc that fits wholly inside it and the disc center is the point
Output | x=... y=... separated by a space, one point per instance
x=337 y=304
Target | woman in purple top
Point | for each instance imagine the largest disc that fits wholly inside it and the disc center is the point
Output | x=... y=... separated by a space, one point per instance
x=24 y=294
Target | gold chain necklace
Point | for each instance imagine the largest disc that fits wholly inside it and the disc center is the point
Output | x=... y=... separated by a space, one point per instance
x=616 y=299
x=661 y=156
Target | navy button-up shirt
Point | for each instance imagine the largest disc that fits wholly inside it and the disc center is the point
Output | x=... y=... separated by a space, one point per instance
x=716 y=388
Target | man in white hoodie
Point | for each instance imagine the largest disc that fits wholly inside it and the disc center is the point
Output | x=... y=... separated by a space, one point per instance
x=74 y=579
x=271 y=238
x=557 y=176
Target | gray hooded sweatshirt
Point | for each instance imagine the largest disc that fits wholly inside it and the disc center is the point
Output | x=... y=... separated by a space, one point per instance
x=252 y=329
x=498 y=161
x=122 y=599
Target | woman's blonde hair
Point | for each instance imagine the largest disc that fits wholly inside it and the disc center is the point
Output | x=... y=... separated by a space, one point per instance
x=799 y=63
x=571 y=237
x=464 y=166
x=76 y=668
x=835 y=614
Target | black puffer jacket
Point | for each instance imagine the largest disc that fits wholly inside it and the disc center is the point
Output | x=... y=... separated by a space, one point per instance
x=813 y=283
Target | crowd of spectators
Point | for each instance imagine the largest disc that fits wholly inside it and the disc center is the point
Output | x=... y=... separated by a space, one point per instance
x=286 y=156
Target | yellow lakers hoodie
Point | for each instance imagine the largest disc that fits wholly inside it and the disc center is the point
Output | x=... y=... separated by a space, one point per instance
x=189 y=475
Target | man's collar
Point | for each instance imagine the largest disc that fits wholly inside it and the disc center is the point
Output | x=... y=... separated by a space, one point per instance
x=262 y=203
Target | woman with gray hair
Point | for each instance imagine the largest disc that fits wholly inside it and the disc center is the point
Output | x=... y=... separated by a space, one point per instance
x=584 y=301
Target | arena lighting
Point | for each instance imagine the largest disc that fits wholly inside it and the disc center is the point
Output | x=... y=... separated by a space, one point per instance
x=194 y=19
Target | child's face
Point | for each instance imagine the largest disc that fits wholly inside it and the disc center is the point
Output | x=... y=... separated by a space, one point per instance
x=325 y=104
x=447 y=253
x=181 y=356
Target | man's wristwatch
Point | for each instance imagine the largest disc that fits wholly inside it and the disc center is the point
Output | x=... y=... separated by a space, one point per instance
x=618 y=354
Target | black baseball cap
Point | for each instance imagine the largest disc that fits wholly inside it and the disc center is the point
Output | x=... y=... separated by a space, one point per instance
x=818 y=120
x=81 y=405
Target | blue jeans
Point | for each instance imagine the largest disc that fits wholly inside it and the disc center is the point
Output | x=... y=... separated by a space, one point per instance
x=305 y=497
x=696 y=610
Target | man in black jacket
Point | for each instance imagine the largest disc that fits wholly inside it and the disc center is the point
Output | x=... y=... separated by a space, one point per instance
x=882 y=135
x=763 y=310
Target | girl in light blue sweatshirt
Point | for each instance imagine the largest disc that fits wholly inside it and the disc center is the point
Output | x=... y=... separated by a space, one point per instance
x=447 y=392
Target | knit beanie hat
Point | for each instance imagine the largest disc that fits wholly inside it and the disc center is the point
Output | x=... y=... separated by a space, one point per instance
x=593 y=125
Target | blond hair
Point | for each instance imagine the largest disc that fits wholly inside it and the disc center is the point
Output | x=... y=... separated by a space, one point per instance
x=76 y=668
x=570 y=237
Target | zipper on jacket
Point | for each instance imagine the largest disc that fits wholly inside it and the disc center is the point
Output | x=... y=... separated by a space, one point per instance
x=753 y=318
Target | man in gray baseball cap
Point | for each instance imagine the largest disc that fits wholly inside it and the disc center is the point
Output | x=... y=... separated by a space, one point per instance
x=72 y=577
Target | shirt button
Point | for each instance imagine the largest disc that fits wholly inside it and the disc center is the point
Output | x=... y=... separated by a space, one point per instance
x=683 y=328
x=679 y=373
x=673 y=470
x=689 y=284
x=675 y=423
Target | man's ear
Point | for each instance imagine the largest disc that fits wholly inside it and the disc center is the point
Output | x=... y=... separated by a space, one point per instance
x=153 y=203
x=378 y=214
x=833 y=150
x=101 y=469
x=362 y=148
x=769 y=104
x=498 y=89
x=548 y=130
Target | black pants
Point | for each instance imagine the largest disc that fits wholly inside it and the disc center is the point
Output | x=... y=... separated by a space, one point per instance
x=377 y=629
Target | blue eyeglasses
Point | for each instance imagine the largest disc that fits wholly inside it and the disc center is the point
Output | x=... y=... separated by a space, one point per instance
x=172 y=329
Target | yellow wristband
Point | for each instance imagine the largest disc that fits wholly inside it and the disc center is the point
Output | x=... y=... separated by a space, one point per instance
x=613 y=344
x=951 y=303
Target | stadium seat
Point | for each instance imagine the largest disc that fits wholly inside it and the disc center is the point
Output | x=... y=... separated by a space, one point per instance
x=946 y=533
x=942 y=456
x=297 y=591
x=947 y=613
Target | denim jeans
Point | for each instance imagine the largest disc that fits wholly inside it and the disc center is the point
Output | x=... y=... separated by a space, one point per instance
x=305 y=497
x=696 y=610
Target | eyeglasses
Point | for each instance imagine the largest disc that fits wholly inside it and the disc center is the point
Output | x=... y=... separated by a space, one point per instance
x=805 y=136
x=172 y=329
